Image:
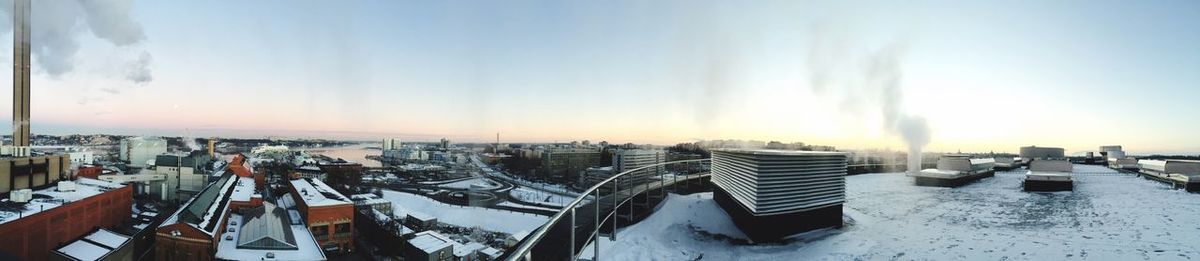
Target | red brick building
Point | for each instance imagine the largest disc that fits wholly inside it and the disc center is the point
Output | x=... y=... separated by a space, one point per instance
x=328 y=214
x=192 y=232
x=45 y=224
x=89 y=171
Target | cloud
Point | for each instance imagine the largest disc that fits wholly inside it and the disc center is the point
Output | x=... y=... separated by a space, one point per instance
x=58 y=25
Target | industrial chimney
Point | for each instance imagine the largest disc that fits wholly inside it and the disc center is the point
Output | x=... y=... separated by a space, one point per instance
x=20 y=147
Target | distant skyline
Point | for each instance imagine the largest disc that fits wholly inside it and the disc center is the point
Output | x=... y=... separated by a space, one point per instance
x=987 y=76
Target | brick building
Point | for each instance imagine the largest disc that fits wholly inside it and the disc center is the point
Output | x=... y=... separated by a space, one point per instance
x=328 y=214
x=71 y=211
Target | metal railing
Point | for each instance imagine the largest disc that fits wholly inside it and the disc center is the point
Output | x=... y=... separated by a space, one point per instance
x=524 y=251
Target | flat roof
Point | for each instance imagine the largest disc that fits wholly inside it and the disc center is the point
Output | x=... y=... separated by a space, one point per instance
x=316 y=194
x=429 y=241
x=94 y=246
x=782 y=152
x=84 y=188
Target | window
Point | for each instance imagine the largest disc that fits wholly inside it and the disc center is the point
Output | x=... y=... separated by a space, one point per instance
x=341 y=229
x=320 y=232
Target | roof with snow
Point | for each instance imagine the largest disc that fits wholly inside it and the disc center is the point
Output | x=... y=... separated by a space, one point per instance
x=430 y=241
x=267 y=233
x=94 y=246
x=52 y=198
x=315 y=193
x=205 y=211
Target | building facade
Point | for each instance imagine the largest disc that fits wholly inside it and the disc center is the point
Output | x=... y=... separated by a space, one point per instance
x=328 y=214
x=138 y=150
x=566 y=164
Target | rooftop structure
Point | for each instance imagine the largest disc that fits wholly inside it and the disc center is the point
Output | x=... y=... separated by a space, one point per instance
x=430 y=245
x=100 y=245
x=1049 y=175
x=267 y=232
x=766 y=191
x=1035 y=152
x=1180 y=173
x=955 y=170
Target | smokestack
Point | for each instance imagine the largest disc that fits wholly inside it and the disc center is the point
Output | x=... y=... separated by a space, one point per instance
x=212 y=142
x=21 y=78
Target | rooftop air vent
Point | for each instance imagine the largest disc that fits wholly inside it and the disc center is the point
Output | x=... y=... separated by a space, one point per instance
x=228 y=238
x=66 y=186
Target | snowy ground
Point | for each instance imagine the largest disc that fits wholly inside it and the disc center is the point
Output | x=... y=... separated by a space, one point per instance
x=483 y=183
x=533 y=195
x=486 y=218
x=1107 y=217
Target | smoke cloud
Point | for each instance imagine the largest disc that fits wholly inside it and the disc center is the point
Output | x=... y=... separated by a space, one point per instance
x=57 y=26
x=877 y=84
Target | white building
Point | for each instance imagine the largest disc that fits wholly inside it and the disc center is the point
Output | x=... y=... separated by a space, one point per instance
x=626 y=160
x=139 y=150
x=391 y=144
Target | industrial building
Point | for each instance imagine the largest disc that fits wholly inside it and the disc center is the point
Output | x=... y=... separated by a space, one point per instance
x=1049 y=175
x=566 y=164
x=768 y=192
x=34 y=172
x=138 y=151
x=1180 y=173
x=954 y=171
x=43 y=220
x=328 y=214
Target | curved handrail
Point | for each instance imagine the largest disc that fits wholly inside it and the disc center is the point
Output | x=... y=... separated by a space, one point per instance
x=526 y=245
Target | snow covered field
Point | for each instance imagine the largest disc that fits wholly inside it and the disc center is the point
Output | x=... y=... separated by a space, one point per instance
x=486 y=218
x=1107 y=217
x=483 y=183
x=536 y=196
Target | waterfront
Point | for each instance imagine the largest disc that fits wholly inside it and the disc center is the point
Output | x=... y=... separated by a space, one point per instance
x=356 y=153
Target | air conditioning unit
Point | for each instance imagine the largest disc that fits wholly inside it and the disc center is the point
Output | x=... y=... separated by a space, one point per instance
x=21 y=195
x=66 y=186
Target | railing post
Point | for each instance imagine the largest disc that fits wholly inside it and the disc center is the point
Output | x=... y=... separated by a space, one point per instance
x=572 y=233
x=596 y=241
x=614 y=211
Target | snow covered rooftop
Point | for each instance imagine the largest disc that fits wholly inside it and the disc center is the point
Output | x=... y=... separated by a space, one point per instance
x=316 y=194
x=84 y=188
x=206 y=210
x=94 y=246
x=430 y=241
x=1108 y=216
x=306 y=247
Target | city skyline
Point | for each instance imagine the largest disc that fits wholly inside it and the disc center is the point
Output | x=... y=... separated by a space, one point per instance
x=985 y=76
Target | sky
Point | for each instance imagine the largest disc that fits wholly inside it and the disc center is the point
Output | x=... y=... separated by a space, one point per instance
x=981 y=75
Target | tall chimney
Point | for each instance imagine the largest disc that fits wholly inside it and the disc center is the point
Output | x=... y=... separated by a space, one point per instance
x=21 y=78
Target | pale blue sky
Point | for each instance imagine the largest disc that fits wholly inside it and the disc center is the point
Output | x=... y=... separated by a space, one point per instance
x=987 y=75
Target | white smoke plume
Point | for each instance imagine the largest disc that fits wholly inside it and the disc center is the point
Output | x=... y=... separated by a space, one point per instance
x=57 y=26
x=877 y=84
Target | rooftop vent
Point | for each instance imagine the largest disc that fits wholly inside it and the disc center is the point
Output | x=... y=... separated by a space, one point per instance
x=228 y=238
x=230 y=230
x=66 y=186
x=270 y=255
x=21 y=195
